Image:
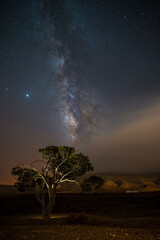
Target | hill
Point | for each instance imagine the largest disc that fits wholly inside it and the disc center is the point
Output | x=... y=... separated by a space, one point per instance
x=112 y=183
x=122 y=183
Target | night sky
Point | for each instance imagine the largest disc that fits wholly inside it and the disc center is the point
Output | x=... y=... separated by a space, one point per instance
x=83 y=74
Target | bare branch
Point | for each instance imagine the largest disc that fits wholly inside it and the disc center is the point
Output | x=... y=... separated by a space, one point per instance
x=39 y=160
x=40 y=176
x=65 y=175
x=68 y=180
x=44 y=180
x=61 y=164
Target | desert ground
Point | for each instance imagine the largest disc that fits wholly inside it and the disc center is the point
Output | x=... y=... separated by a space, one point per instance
x=108 y=214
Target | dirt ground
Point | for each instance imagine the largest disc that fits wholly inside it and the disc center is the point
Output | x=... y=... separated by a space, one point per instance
x=53 y=231
x=83 y=217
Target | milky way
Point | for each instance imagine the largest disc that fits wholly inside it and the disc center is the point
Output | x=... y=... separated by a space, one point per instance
x=74 y=73
x=76 y=102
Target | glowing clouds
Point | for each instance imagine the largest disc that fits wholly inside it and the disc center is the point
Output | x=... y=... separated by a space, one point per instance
x=132 y=146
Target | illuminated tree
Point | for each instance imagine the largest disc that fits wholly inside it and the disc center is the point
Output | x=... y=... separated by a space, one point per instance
x=59 y=164
x=92 y=183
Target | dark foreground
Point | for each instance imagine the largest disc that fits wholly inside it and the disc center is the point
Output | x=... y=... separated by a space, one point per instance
x=77 y=216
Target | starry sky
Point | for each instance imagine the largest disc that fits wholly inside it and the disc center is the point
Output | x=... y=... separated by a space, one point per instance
x=84 y=74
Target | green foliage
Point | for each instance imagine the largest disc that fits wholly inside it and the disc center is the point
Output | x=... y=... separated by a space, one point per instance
x=118 y=182
x=61 y=164
x=92 y=183
x=66 y=161
x=25 y=178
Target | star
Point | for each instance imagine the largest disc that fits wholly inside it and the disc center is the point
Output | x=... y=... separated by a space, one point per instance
x=27 y=95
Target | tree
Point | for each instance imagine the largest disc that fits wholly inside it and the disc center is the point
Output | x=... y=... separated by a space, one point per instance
x=59 y=164
x=92 y=183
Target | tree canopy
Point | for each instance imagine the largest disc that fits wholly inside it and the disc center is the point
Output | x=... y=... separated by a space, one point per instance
x=59 y=164
x=92 y=183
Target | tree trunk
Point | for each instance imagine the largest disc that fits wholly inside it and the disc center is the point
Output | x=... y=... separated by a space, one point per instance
x=47 y=208
x=44 y=215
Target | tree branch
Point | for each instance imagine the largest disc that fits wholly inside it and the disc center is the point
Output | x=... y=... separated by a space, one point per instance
x=60 y=164
x=60 y=180
x=44 y=180
x=66 y=175
x=68 y=180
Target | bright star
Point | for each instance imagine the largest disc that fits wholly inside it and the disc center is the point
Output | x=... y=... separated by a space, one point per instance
x=27 y=95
